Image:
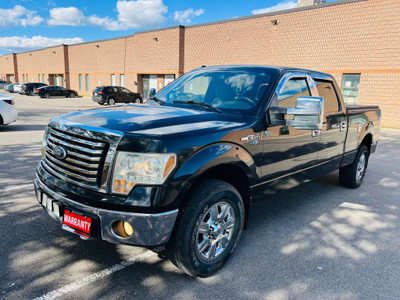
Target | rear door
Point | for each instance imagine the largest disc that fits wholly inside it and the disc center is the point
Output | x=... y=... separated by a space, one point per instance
x=334 y=128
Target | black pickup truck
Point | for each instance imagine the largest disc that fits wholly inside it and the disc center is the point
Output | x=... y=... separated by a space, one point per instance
x=182 y=170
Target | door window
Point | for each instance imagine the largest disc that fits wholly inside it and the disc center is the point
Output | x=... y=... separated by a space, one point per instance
x=293 y=88
x=327 y=91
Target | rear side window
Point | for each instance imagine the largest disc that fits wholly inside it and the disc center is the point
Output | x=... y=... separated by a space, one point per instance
x=97 y=89
x=295 y=87
x=327 y=91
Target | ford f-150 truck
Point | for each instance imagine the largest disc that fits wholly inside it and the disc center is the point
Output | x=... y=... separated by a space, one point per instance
x=181 y=171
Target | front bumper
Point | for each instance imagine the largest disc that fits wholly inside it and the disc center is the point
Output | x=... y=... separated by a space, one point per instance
x=149 y=230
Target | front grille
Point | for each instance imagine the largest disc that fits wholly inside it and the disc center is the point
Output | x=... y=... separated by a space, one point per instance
x=84 y=161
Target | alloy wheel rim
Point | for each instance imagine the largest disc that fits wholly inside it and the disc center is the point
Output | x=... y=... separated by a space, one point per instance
x=215 y=231
x=361 y=167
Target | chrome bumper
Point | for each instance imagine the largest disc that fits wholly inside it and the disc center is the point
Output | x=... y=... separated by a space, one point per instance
x=148 y=229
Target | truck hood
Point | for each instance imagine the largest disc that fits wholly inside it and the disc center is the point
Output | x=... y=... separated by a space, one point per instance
x=152 y=121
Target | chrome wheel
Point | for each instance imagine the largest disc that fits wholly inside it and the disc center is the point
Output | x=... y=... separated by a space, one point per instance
x=215 y=231
x=361 y=167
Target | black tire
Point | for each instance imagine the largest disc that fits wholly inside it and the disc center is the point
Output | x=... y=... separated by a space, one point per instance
x=47 y=95
x=72 y=95
x=352 y=176
x=31 y=93
x=111 y=101
x=183 y=249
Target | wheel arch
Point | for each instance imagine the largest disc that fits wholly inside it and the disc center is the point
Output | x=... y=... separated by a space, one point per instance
x=224 y=161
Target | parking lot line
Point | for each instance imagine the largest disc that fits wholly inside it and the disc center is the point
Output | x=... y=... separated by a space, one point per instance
x=94 y=277
x=16 y=187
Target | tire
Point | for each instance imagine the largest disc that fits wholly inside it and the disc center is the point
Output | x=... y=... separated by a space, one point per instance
x=47 y=95
x=137 y=100
x=111 y=101
x=352 y=176
x=198 y=245
x=31 y=93
x=72 y=95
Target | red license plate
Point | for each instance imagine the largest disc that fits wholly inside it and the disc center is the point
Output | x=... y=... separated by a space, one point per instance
x=79 y=224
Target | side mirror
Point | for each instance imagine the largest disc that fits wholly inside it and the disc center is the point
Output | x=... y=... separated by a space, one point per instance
x=152 y=92
x=307 y=114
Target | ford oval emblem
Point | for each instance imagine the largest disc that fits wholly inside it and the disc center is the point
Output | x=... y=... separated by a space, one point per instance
x=60 y=152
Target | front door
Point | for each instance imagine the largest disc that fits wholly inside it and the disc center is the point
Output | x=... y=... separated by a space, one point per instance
x=286 y=150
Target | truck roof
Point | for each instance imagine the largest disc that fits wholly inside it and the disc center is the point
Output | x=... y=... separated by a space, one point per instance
x=278 y=68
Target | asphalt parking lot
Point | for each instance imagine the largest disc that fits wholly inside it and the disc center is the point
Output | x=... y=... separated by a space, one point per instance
x=316 y=241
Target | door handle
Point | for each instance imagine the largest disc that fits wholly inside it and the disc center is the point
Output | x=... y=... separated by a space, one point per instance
x=343 y=126
x=315 y=133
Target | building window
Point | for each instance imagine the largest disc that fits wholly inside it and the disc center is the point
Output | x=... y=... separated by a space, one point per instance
x=112 y=79
x=80 y=82
x=350 y=85
x=43 y=79
x=87 y=81
x=38 y=77
x=122 y=79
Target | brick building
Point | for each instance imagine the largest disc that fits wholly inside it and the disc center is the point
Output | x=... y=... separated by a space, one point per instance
x=358 y=41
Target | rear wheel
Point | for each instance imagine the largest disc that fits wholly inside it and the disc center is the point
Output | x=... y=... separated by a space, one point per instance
x=207 y=229
x=111 y=101
x=47 y=95
x=31 y=93
x=353 y=175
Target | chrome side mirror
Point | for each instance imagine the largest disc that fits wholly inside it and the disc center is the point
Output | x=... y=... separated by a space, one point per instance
x=307 y=114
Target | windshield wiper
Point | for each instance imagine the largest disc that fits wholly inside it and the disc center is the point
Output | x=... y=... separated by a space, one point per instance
x=198 y=103
x=162 y=102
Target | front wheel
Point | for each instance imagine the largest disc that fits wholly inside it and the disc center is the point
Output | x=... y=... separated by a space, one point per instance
x=137 y=100
x=353 y=175
x=72 y=95
x=207 y=229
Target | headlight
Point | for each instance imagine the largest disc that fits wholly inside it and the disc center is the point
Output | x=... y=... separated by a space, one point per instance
x=44 y=142
x=131 y=169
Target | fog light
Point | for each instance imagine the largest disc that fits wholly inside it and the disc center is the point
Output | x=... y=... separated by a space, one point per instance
x=128 y=228
x=122 y=229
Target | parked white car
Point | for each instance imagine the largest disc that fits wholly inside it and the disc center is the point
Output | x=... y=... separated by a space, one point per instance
x=8 y=112
x=18 y=87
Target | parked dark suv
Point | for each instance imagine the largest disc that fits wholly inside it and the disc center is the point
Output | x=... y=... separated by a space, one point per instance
x=53 y=90
x=28 y=88
x=114 y=94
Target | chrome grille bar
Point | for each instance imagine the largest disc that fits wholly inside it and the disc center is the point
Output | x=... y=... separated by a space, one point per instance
x=76 y=154
x=53 y=167
x=76 y=139
x=68 y=166
x=73 y=146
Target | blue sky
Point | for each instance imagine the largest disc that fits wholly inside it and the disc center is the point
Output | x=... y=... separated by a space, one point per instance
x=34 y=24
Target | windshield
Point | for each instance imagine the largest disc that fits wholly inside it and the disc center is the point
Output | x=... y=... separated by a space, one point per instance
x=231 y=90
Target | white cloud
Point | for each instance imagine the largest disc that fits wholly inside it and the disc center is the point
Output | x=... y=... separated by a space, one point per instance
x=106 y=23
x=19 y=16
x=67 y=16
x=23 y=43
x=280 y=6
x=185 y=16
x=141 y=13
x=131 y=14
